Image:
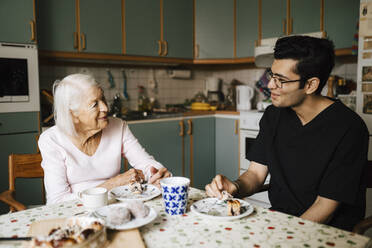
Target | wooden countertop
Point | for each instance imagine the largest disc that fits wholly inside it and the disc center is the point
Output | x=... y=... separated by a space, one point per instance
x=206 y=112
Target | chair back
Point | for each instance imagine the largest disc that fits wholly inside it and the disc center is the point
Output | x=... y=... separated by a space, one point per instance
x=25 y=166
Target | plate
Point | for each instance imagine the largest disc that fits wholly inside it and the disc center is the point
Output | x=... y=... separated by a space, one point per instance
x=123 y=193
x=217 y=209
x=103 y=212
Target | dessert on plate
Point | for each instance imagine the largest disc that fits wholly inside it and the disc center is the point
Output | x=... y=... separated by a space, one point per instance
x=77 y=232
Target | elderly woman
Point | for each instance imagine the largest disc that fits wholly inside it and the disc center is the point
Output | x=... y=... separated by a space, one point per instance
x=85 y=147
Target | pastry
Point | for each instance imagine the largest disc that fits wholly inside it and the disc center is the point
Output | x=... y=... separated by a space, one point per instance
x=75 y=233
x=233 y=207
x=136 y=187
x=138 y=209
x=118 y=216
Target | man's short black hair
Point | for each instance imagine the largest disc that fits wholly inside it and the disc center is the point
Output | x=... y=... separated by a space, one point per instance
x=315 y=56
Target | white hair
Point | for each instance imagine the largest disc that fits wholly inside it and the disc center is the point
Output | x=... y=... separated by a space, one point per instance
x=68 y=96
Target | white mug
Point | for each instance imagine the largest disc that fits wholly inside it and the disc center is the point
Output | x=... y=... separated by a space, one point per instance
x=93 y=198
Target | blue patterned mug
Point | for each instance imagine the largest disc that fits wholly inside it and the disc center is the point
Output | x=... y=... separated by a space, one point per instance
x=175 y=192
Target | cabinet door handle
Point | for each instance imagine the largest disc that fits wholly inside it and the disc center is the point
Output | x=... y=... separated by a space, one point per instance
x=32 y=26
x=160 y=47
x=76 y=37
x=284 y=23
x=197 y=51
x=290 y=26
x=83 y=41
x=182 y=129
x=236 y=131
x=165 y=53
x=189 y=123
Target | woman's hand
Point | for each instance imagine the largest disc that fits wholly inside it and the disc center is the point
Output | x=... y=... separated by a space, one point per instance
x=219 y=184
x=157 y=175
x=124 y=178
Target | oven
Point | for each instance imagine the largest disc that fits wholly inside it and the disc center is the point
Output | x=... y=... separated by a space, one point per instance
x=249 y=128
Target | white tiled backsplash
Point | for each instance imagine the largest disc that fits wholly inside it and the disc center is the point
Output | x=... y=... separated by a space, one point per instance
x=169 y=90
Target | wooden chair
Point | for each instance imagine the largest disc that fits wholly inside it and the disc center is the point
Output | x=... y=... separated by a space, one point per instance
x=22 y=166
x=365 y=224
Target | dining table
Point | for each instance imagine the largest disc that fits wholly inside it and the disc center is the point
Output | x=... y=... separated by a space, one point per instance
x=262 y=228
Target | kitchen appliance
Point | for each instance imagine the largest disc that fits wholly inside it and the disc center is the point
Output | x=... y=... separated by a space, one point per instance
x=244 y=95
x=19 y=78
x=213 y=90
x=249 y=128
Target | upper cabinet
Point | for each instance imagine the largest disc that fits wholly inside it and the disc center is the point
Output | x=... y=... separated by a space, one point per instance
x=341 y=18
x=56 y=25
x=178 y=28
x=273 y=18
x=246 y=27
x=100 y=26
x=142 y=27
x=77 y=25
x=159 y=28
x=305 y=16
x=17 y=21
x=214 y=29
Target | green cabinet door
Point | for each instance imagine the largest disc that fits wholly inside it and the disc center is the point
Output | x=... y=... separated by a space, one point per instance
x=178 y=28
x=15 y=17
x=305 y=16
x=17 y=135
x=227 y=148
x=273 y=18
x=142 y=27
x=56 y=24
x=100 y=22
x=203 y=132
x=340 y=21
x=162 y=141
x=246 y=27
x=214 y=28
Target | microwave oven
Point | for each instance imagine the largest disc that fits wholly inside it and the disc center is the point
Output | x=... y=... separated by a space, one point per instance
x=19 y=78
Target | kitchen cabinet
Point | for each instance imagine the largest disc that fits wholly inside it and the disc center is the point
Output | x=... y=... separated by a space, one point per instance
x=100 y=26
x=340 y=20
x=164 y=28
x=214 y=31
x=305 y=16
x=285 y=17
x=142 y=27
x=17 y=21
x=178 y=28
x=77 y=26
x=186 y=147
x=273 y=18
x=200 y=150
x=227 y=147
x=163 y=141
x=246 y=27
x=18 y=135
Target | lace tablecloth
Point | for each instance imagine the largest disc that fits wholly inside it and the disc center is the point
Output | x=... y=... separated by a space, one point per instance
x=263 y=228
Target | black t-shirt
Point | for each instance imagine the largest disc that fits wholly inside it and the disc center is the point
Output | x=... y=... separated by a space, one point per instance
x=325 y=157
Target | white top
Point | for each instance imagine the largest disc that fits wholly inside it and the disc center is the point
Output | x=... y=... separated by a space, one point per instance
x=67 y=170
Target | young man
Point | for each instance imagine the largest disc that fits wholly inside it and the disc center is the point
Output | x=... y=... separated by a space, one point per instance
x=314 y=147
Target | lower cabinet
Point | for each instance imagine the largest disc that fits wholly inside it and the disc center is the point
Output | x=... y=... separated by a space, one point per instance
x=200 y=150
x=227 y=147
x=18 y=135
x=185 y=146
x=163 y=141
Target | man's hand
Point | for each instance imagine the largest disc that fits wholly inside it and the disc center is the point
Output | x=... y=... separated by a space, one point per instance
x=157 y=175
x=218 y=184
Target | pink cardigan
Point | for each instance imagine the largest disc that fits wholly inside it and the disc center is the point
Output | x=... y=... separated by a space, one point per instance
x=67 y=170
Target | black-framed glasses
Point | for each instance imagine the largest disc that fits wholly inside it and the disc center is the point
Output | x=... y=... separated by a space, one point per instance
x=279 y=81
